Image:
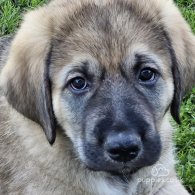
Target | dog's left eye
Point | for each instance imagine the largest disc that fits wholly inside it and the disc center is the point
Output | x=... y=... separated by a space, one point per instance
x=78 y=84
x=147 y=75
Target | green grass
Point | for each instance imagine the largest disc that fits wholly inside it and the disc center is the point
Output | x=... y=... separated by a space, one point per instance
x=11 y=13
x=185 y=135
x=10 y=17
x=185 y=143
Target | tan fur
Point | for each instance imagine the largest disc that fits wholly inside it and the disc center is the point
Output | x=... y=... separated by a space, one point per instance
x=28 y=164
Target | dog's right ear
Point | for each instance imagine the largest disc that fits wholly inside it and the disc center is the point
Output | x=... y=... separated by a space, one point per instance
x=25 y=77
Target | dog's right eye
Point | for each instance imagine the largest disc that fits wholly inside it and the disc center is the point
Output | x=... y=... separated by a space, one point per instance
x=78 y=84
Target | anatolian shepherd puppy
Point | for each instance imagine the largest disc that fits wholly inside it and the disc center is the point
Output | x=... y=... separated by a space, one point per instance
x=100 y=78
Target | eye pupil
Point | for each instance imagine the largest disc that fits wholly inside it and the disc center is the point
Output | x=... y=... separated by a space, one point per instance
x=78 y=83
x=147 y=75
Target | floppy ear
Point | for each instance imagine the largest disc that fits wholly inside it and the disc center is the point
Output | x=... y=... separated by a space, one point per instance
x=25 y=77
x=182 y=47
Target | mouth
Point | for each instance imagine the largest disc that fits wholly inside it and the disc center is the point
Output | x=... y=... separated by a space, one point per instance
x=114 y=158
x=124 y=173
x=115 y=162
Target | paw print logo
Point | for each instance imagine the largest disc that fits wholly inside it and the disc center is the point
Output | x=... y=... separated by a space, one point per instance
x=160 y=171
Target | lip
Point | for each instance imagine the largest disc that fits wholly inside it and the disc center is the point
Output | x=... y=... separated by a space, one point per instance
x=125 y=172
x=115 y=168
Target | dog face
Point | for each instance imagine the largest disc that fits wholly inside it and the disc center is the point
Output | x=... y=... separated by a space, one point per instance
x=107 y=73
x=114 y=88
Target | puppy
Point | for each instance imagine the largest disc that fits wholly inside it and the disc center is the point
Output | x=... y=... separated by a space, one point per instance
x=101 y=79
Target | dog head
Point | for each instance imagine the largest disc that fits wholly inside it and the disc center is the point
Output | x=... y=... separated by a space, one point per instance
x=107 y=73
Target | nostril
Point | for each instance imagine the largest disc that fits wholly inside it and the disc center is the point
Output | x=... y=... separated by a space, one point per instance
x=134 y=152
x=123 y=153
x=113 y=151
x=114 y=154
x=134 y=149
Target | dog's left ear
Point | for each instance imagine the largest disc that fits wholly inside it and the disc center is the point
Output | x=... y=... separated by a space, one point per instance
x=182 y=48
x=25 y=77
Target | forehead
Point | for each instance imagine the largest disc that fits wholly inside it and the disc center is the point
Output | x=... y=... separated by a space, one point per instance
x=110 y=33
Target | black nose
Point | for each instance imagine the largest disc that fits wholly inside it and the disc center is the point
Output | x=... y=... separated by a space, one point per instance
x=122 y=147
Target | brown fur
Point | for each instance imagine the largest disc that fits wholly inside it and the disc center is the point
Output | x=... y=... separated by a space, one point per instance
x=49 y=41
